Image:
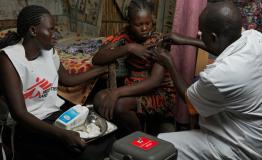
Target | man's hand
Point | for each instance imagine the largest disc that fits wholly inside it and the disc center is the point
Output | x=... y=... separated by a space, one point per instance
x=172 y=39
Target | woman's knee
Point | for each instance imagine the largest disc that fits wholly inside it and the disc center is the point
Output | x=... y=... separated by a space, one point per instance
x=124 y=105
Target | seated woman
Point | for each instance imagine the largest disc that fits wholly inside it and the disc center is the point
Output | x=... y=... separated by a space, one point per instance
x=29 y=73
x=148 y=89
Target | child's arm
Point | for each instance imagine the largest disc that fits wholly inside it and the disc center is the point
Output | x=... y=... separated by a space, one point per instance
x=165 y=59
x=141 y=88
x=145 y=86
x=107 y=54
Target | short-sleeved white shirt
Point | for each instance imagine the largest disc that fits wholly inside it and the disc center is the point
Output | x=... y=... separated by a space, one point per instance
x=228 y=95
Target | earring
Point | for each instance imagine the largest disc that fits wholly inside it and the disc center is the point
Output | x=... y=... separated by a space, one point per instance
x=33 y=34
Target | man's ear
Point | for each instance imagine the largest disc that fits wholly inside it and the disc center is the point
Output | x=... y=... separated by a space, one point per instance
x=32 y=31
x=214 y=37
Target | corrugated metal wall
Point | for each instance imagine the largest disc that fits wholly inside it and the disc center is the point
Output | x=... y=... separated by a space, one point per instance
x=112 y=20
x=6 y=24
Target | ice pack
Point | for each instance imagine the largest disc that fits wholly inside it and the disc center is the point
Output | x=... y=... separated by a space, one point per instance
x=73 y=117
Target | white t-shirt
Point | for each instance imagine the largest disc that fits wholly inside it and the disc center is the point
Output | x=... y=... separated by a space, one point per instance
x=228 y=95
x=39 y=80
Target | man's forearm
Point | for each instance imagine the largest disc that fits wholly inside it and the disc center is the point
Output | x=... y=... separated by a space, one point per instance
x=180 y=83
x=197 y=43
x=193 y=41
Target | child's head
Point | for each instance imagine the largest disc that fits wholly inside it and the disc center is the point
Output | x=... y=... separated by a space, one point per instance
x=140 y=17
x=220 y=24
x=33 y=22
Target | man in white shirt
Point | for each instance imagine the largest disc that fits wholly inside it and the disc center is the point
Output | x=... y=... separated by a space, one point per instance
x=228 y=94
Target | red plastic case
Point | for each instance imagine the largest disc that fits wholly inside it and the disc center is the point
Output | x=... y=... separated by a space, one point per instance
x=141 y=146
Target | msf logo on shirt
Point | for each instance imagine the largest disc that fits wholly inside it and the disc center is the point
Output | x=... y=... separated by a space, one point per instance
x=39 y=89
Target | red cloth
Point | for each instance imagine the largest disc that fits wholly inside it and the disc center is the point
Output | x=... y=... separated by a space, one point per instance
x=186 y=22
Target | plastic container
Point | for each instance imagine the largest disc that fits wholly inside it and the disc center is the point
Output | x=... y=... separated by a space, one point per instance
x=73 y=117
x=141 y=146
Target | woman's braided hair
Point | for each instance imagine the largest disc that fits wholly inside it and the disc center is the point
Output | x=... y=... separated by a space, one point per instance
x=28 y=16
x=138 y=5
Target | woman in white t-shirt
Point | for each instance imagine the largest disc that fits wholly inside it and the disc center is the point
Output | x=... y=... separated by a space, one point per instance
x=29 y=74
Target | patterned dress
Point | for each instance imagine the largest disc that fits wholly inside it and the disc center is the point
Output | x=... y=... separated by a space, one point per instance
x=251 y=11
x=161 y=100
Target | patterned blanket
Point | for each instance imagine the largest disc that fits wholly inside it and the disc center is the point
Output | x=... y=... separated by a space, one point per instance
x=76 y=57
x=251 y=11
